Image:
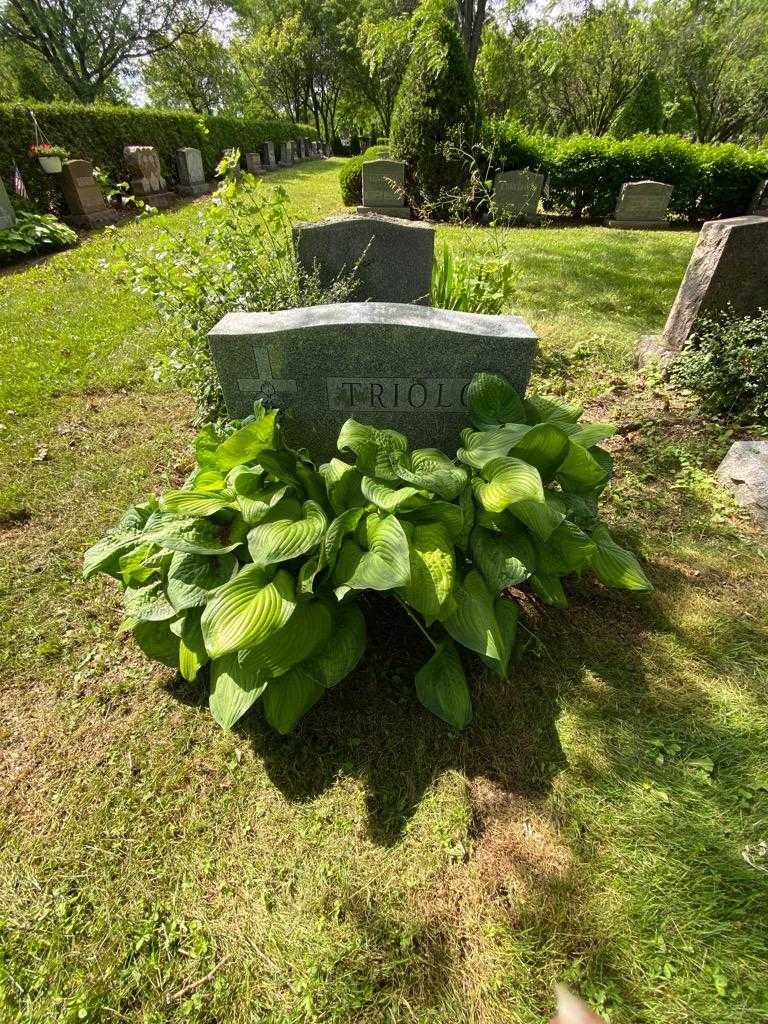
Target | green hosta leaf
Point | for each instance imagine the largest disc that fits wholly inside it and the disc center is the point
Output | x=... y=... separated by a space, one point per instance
x=507 y=614
x=195 y=503
x=289 y=698
x=248 y=609
x=580 y=471
x=191 y=578
x=499 y=559
x=344 y=649
x=136 y=517
x=505 y=482
x=157 y=641
x=442 y=687
x=430 y=470
x=148 y=604
x=474 y=623
x=255 y=498
x=347 y=561
x=391 y=499
x=550 y=590
x=544 y=446
x=140 y=564
x=105 y=555
x=483 y=446
x=567 y=550
x=541 y=518
x=492 y=400
x=614 y=565
x=192 y=652
x=342 y=483
x=307 y=630
x=234 y=689
x=279 y=540
x=206 y=444
x=589 y=434
x=376 y=451
x=283 y=465
x=551 y=410
x=334 y=537
x=207 y=480
x=386 y=563
x=180 y=533
x=450 y=516
x=469 y=516
x=433 y=570
x=248 y=443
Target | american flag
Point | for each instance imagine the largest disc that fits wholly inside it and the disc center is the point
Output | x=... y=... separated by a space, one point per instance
x=17 y=183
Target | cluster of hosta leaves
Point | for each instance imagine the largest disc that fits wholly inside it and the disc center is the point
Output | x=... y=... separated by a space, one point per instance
x=251 y=572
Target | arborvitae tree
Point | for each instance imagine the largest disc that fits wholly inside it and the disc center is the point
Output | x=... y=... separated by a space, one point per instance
x=643 y=111
x=436 y=104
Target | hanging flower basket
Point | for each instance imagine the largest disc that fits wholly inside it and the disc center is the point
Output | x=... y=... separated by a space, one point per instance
x=49 y=157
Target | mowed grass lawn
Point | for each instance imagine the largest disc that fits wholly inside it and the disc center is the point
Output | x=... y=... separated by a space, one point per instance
x=594 y=825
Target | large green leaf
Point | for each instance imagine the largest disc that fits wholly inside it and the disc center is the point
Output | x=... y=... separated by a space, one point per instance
x=342 y=483
x=376 y=451
x=248 y=609
x=442 y=687
x=507 y=614
x=158 y=641
x=344 y=649
x=278 y=540
x=148 y=603
x=473 y=623
x=550 y=590
x=289 y=698
x=386 y=562
x=254 y=496
x=450 y=516
x=541 y=518
x=307 y=630
x=139 y=565
x=192 y=652
x=181 y=533
x=338 y=530
x=430 y=470
x=544 y=446
x=196 y=503
x=614 y=565
x=580 y=471
x=248 y=443
x=482 y=446
x=588 y=434
x=433 y=570
x=551 y=410
x=234 y=689
x=191 y=578
x=492 y=400
x=503 y=561
x=567 y=550
x=389 y=498
x=506 y=481
x=105 y=554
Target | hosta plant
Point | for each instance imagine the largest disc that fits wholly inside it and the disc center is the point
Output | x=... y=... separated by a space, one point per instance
x=252 y=572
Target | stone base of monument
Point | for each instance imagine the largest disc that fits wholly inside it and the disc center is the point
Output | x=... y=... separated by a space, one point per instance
x=655 y=349
x=161 y=200
x=638 y=225
x=200 y=189
x=91 y=220
x=744 y=472
x=387 y=211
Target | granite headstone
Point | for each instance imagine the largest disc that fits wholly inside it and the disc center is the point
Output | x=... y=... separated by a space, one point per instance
x=284 y=154
x=268 y=156
x=253 y=163
x=189 y=163
x=83 y=196
x=642 y=204
x=744 y=472
x=516 y=196
x=146 y=177
x=391 y=364
x=391 y=258
x=7 y=215
x=383 y=187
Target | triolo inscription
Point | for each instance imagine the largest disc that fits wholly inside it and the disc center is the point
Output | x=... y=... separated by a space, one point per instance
x=389 y=363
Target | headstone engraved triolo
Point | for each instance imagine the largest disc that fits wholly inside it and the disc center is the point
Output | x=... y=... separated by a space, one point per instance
x=268 y=156
x=146 y=177
x=383 y=188
x=253 y=163
x=392 y=364
x=728 y=271
x=516 y=196
x=759 y=204
x=391 y=258
x=642 y=204
x=7 y=215
x=84 y=198
x=189 y=163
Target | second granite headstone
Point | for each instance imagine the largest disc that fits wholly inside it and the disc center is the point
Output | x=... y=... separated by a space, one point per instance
x=383 y=186
x=516 y=196
x=189 y=163
x=642 y=204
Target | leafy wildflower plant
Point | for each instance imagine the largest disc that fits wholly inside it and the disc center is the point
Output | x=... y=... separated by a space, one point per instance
x=253 y=571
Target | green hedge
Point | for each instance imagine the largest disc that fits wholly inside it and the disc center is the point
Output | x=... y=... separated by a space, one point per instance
x=351 y=176
x=99 y=134
x=585 y=173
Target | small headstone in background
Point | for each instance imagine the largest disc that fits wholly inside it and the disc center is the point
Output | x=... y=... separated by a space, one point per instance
x=253 y=163
x=84 y=198
x=328 y=148
x=7 y=214
x=284 y=154
x=302 y=148
x=383 y=184
x=189 y=162
x=642 y=204
x=393 y=257
x=293 y=151
x=268 y=156
x=386 y=363
x=759 y=205
x=516 y=195
x=727 y=271
x=145 y=175
x=744 y=472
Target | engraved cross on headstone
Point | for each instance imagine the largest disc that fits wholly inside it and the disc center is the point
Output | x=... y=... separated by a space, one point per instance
x=271 y=390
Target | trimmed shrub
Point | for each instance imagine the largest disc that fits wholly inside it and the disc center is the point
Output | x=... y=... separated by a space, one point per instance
x=436 y=104
x=643 y=111
x=99 y=134
x=351 y=176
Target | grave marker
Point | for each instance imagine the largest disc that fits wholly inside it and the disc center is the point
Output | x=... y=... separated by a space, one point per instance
x=642 y=204
x=284 y=154
x=146 y=177
x=516 y=195
x=253 y=163
x=391 y=364
x=759 y=205
x=84 y=198
x=383 y=184
x=7 y=214
x=189 y=162
x=268 y=156
x=395 y=256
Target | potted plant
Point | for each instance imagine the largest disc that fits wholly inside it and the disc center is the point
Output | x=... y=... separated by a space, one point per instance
x=50 y=157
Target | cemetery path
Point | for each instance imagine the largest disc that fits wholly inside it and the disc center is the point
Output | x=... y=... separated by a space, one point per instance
x=597 y=823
